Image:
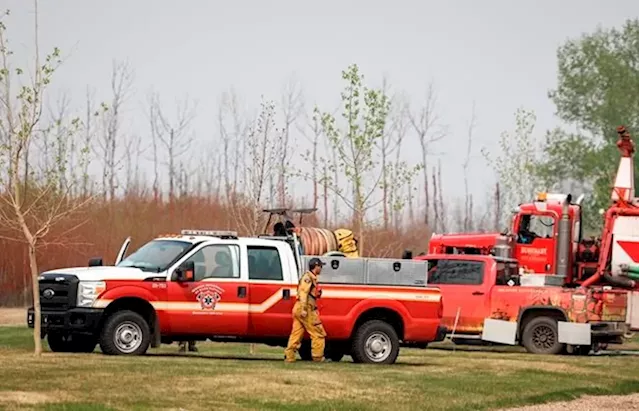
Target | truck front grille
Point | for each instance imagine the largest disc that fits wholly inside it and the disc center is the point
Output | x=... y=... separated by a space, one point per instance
x=58 y=291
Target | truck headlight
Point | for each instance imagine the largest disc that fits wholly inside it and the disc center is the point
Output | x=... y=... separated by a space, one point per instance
x=88 y=291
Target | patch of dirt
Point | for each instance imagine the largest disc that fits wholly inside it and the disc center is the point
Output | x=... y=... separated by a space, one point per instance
x=13 y=316
x=25 y=397
x=588 y=403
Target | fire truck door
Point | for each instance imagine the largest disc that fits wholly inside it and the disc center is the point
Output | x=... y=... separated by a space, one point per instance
x=463 y=288
x=216 y=302
x=535 y=243
x=271 y=294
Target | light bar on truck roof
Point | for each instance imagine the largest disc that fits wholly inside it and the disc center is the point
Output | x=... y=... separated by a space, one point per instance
x=211 y=233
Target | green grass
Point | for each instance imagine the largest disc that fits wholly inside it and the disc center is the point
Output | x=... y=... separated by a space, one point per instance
x=226 y=376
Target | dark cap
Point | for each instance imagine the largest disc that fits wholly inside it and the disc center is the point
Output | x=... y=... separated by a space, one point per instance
x=315 y=261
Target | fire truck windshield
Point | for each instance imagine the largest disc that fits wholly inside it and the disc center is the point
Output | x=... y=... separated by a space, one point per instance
x=156 y=255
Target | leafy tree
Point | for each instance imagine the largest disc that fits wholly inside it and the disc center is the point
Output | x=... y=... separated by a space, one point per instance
x=35 y=193
x=597 y=91
x=365 y=112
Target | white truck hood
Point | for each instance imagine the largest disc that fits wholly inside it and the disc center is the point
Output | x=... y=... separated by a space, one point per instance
x=104 y=273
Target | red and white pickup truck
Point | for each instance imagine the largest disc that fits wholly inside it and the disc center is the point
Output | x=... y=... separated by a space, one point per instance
x=213 y=285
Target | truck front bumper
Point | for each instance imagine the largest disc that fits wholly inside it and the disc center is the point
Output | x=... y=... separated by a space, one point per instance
x=71 y=321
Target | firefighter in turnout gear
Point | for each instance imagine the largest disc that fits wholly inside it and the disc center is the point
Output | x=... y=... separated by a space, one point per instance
x=306 y=317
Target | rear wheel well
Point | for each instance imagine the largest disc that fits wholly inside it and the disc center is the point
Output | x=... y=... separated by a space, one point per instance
x=383 y=314
x=530 y=313
x=134 y=304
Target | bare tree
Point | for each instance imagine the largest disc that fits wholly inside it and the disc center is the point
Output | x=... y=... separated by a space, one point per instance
x=133 y=152
x=425 y=123
x=174 y=137
x=468 y=201
x=292 y=108
x=110 y=138
x=386 y=145
x=311 y=156
x=30 y=213
x=264 y=144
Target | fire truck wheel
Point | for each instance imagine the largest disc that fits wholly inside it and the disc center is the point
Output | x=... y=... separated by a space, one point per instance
x=540 y=336
x=125 y=333
x=71 y=343
x=375 y=342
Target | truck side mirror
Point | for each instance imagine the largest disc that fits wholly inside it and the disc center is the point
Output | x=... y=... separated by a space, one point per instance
x=185 y=272
x=95 y=262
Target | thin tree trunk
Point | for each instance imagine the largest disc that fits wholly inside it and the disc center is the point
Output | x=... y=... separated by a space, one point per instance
x=35 y=290
x=436 y=213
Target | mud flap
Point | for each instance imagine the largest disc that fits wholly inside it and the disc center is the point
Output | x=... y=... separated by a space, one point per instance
x=574 y=333
x=499 y=331
x=633 y=310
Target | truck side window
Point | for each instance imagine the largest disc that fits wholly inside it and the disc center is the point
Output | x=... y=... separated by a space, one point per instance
x=264 y=263
x=216 y=261
x=455 y=272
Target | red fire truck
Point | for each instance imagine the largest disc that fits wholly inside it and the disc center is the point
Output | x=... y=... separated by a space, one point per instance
x=214 y=285
x=546 y=242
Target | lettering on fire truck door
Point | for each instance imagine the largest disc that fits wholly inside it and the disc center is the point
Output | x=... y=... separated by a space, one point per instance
x=216 y=302
x=535 y=242
x=271 y=292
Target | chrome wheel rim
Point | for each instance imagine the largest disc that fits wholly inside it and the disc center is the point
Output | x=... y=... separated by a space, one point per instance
x=378 y=347
x=128 y=337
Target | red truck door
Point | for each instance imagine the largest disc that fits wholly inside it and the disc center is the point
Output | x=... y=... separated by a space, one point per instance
x=465 y=293
x=535 y=242
x=271 y=292
x=216 y=302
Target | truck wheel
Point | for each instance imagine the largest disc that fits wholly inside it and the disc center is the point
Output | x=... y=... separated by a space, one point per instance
x=71 y=343
x=540 y=336
x=335 y=356
x=305 y=351
x=125 y=333
x=375 y=342
x=59 y=342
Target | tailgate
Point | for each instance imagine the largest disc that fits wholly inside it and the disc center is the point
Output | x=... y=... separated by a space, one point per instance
x=611 y=304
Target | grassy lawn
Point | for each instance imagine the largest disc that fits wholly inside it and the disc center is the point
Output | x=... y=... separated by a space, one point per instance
x=226 y=376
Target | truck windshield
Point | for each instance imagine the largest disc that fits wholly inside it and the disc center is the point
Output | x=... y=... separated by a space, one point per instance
x=156 y=255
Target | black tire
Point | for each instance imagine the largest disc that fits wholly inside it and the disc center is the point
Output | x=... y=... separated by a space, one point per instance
x=305 y=351
x=375 y=332
x=540 y=336
x=582 y=350
x=335 y=356
x=125 y=333
x=71 y=343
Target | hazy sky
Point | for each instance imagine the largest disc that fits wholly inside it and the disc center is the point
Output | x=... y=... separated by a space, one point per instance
x=502 y=54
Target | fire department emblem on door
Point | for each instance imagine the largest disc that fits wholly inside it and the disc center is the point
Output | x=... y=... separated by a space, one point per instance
x=208 y=295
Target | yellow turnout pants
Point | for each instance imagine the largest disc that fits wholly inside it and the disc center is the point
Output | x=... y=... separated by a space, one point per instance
x=312 y=325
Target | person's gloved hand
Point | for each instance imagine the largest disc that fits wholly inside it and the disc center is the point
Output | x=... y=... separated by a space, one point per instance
x=319 y=292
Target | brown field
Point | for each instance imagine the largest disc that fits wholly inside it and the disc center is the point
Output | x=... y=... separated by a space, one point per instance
x=13 y=316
